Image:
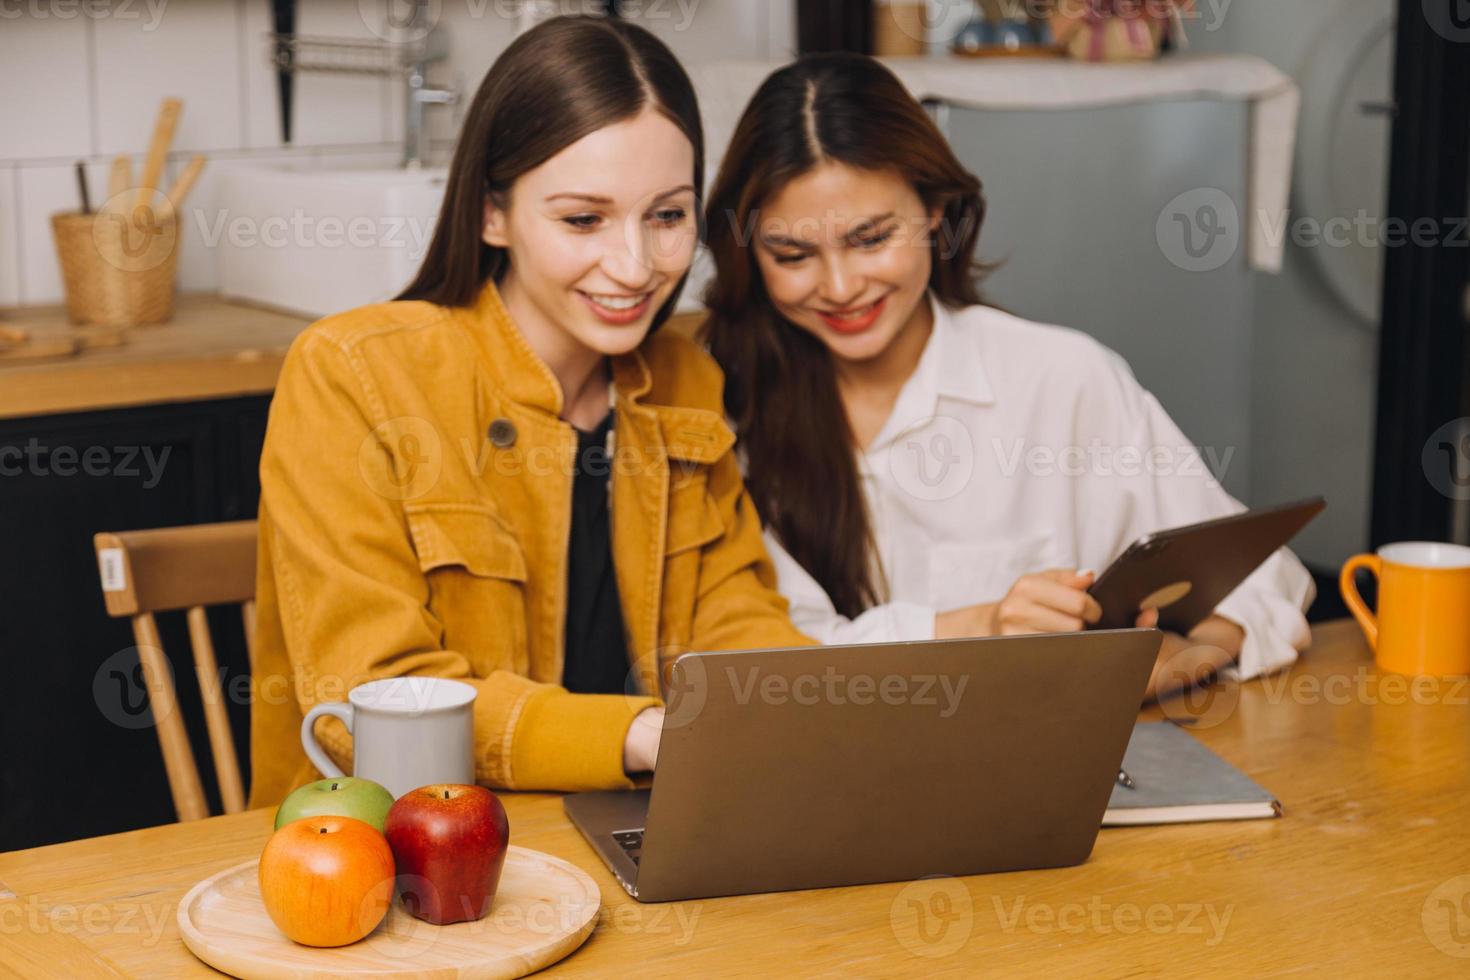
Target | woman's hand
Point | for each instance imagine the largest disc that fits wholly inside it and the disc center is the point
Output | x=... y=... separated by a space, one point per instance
x=640 y=748
x=1054 y=601
x=1047 y=602
x=1186 y=661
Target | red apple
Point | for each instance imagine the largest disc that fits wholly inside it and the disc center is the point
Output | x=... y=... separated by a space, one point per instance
x=449 y=843
x=326 y=880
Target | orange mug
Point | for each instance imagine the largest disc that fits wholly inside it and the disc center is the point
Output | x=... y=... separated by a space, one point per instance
x=1423 y=620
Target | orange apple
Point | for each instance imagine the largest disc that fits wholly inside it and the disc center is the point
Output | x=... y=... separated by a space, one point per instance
x=326 y=880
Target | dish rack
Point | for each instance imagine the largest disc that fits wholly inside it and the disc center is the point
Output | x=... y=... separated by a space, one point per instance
x=346 y=56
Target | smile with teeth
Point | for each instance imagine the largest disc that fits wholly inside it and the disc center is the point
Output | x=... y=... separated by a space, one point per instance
x=617 y=302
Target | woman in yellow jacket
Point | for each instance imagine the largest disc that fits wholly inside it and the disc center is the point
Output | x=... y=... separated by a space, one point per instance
x=508 y=477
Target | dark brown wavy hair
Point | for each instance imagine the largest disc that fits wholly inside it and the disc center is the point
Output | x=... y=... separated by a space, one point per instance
x=781 y=386
x=560 y=81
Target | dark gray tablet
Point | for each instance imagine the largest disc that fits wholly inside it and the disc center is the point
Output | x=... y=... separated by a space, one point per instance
x=1187 y=571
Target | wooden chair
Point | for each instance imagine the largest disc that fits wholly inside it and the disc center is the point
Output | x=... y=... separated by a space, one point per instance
x=147 y=572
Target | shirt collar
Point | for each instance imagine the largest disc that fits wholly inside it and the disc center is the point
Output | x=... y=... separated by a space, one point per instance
x=522 y=374
x=948 y=369
x=961 y=374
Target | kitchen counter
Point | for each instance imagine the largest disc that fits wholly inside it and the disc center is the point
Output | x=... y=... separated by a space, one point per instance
x=212 y=348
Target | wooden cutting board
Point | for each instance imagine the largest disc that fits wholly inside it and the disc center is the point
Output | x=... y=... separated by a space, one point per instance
x=544 y=909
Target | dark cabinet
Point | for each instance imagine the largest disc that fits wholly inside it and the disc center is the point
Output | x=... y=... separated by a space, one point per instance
x=78 y=756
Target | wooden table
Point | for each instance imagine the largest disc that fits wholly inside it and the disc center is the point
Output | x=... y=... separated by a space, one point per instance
x=1368 y=873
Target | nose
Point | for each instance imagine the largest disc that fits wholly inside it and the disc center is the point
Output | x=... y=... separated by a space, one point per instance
x=841 y=286
x=627 y=261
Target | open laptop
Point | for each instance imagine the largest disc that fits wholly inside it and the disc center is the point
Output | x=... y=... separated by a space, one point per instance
x=789 y=769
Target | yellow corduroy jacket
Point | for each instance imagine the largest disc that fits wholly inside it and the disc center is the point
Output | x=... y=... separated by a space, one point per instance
x=415 y=508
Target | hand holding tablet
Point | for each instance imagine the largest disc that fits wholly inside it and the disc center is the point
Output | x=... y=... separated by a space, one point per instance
x=1186 y=572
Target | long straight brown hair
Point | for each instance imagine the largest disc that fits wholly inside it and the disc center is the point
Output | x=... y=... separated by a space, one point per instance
x=780 y=382
x=560 y=81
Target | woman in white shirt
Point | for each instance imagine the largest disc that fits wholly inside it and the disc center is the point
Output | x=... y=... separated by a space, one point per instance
x=926 y=465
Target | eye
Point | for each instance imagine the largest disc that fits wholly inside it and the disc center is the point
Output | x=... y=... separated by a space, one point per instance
x=788 y=259
x=669 y=216
x=875 y=240
x=581 y=221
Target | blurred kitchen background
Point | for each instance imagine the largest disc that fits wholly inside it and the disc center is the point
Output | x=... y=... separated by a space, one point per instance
x=1264 y=344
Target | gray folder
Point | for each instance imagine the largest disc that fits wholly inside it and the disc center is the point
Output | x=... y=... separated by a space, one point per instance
x=1177 y=780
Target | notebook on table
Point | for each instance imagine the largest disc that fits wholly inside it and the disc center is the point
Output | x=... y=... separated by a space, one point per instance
x=1177 y=780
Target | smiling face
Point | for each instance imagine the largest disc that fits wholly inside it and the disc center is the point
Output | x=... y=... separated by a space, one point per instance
x=845 y=256
x=598 y=238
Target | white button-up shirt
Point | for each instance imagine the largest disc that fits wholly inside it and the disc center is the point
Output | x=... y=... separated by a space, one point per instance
x=1015 y=448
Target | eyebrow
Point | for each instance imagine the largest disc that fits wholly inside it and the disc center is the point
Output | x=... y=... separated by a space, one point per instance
x=781 y=241
x=600 y=199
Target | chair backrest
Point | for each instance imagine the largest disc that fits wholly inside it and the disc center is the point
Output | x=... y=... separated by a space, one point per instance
x=189 y=568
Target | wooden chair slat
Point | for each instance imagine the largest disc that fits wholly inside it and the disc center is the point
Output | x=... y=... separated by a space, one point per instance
x=216 y=714
x=168 y=722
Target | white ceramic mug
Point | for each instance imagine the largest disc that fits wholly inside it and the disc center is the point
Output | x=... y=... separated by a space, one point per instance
x=407 y=732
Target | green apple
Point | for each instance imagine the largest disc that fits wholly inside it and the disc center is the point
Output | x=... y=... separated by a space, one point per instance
x=343 y=796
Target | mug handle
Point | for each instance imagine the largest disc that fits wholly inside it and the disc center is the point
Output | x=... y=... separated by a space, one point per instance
x=1354 y=600
x=314 y=750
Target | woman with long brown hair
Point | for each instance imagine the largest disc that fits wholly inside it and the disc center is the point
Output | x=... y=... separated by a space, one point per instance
x=927 y=465
x=508 y=476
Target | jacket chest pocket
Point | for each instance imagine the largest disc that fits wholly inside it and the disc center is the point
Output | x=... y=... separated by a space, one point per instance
x=476 y=575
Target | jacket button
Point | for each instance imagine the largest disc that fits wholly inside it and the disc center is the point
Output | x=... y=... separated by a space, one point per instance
x=502 y=433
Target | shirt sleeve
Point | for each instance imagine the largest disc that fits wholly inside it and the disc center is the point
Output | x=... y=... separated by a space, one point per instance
x=1173 y=485
x=813 y=613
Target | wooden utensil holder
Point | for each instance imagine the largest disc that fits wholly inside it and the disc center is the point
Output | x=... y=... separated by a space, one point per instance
x=119 y=264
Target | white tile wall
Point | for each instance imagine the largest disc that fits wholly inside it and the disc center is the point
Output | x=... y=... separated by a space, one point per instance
x=190 y=54
x=83 y=87
x=43 y=191
x=204 y=221
x=45 y=76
